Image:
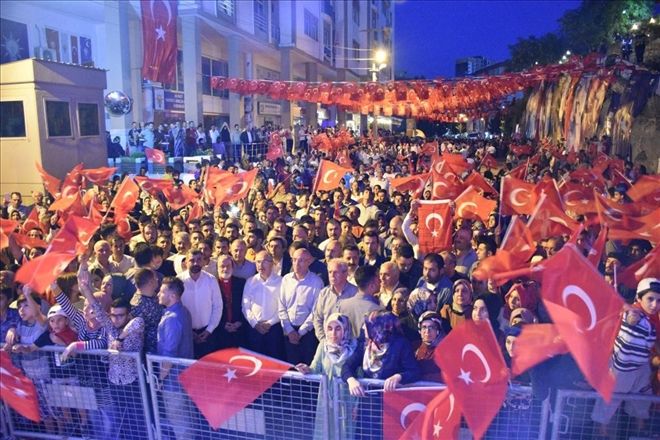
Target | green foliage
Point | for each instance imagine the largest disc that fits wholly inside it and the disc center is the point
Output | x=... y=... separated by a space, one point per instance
x=595 y=22
x=137 y=155
x=547 y=49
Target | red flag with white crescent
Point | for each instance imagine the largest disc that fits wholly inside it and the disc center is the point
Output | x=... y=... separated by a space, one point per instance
x=155 y=155
x=586 y=311
x=40 y=272
x=98 y=175
x=478 y=181
x=329 y=175
x=17 y=390
x=240 y=377
x=126 y=196
x=154 y=187
x=472 y=205
x=435 y=226
x=646 y=188
x=235 y=187
x=517 y=196
x=536 y=344
x=409 y=183
x=402 y=409
x=646 y=267
x=473 y=367
x=178 y=197
x=51 y=183
x=159 y=40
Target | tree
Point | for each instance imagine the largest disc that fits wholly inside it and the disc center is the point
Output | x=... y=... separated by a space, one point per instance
x=528 y=52
x=595 y=22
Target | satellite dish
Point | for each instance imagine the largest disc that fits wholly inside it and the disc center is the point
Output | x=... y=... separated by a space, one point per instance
x=118 y=103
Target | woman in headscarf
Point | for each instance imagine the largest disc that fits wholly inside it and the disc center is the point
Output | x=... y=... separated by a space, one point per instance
x=430 y=329
x=520 y=295
x=407 y=322
x=331 y=355
x=461 y=307
x=486 y=308
x=382 y=353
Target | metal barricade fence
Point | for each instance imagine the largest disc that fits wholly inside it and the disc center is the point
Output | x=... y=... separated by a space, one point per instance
x=521 y=417
x=573 y=411
x=255 y=151
x=96 y=394
x=291 y=409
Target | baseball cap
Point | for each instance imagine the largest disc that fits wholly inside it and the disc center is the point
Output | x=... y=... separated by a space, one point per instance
x=56 y=310
x=648 y=285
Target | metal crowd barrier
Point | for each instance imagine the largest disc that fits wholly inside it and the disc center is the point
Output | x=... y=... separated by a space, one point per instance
x=572 y=418
x=78 y=401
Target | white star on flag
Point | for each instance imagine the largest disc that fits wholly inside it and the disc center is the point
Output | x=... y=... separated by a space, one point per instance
x=436 y=430
x=230 y=374
x=160 y=33
x=434 y=233
x=465 y=377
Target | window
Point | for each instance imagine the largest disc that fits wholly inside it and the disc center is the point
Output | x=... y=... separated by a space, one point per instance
x=356 y=11
x=374 y=19
x=178 y=82
x=311 y=26
x=260 y=16
x=356 y=50
x=88 y=119
x=12 y=119
x=58 y=118
x=327 y=41
x=225 y=8
x=211 y=68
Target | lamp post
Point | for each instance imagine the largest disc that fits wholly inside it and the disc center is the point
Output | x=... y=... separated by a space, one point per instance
x=378 y=63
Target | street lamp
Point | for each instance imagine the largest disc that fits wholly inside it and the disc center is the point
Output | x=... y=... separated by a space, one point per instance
x=378 y=63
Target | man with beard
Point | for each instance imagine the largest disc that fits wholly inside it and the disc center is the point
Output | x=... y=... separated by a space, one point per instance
x=202 y=298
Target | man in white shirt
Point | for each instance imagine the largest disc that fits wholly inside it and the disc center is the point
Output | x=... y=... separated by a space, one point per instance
x=202 y=298
x=300 y=289
x=260 y=307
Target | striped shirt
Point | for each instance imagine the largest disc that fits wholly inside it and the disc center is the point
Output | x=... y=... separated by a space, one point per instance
x=95 y=339
x=633 y=344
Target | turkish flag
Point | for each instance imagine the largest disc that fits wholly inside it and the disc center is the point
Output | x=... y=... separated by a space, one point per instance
x=40 y=272
x=99 y=175
x=577 y=198
x=32 y=221
x=178 y=197
x=586 y=311
x=430 y=148
x=328 y=176
x=74 y=236
x=445 y=185
x=123 y=225
x=17 y=390
x=440 y=420
x=435 y=226
x=520 y=150
x=212 y=178
x=51 y=183
x=500 y=268
x=414 y=183
x=154 y=187
x=646 y=188
x=488 y=161
x=159 y=40
x=343 y=159
x=478 y=181
x=587 y=177
x=618 y=178
x=537 y=343
x=28 y=242
x=596 y=251
x=518 y=241
x=549 y=188
x=274 y=151
x=472 y=205
x=72 y=182
x=196 y=211
x=126 y=196
x=456 y=161
x=549 y=220
x=233 y=378
x=70 y=204
x=6 y=227
x=473 y=367
x=646 y=228
x=402 y=408
x=519 y=172
x=154 y=155
x=648 y=266
x=235 y=187
x=516 y=196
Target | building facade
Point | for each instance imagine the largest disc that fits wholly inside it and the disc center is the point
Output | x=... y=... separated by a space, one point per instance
x=469 y=65
x=286 y=40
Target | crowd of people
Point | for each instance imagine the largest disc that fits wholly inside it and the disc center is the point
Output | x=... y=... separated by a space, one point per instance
x=333 y=282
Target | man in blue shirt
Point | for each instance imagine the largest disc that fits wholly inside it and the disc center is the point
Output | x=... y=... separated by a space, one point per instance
x=175 y=340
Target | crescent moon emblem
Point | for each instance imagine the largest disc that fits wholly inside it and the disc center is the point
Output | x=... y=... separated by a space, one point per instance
x=513 y=197
x=327 y=175
x=567 y=200
x=463 y=205
x=573 y=290
x=434 y=216
x=257 y=363
x=413 y=407
x=243 y=187
x=167 y=6
x=559 y=220
x=474 y=349
x=451 y=406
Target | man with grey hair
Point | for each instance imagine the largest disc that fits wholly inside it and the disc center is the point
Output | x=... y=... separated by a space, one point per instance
x=338 y=290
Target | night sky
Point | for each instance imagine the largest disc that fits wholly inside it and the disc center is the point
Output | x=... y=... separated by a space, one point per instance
x=430 y=35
